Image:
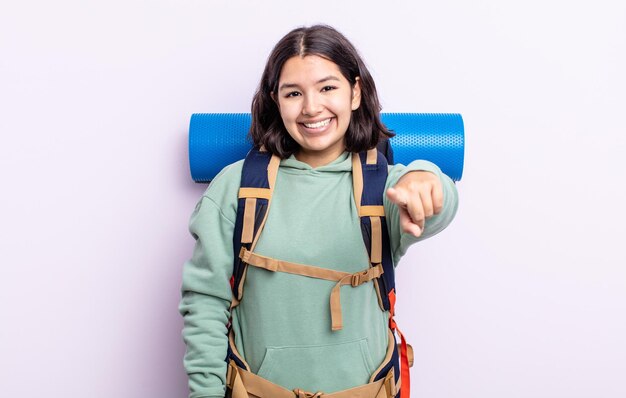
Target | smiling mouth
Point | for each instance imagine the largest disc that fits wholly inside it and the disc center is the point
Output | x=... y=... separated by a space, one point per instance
x=318 y=125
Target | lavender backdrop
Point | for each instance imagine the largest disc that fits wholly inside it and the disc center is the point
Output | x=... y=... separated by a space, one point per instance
x=523 y=296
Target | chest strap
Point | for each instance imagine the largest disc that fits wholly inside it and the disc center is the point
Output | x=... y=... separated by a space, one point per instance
x=342 y=278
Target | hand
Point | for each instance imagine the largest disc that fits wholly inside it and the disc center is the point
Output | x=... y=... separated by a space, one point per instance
x=418 y=195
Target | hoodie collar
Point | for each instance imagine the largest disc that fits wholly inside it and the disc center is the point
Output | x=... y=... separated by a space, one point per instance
x=342 y=163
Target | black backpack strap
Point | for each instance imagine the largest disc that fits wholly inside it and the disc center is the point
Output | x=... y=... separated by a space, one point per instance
x=369 y=175
x=257 y=184
x=384 y=147
x=369 y=188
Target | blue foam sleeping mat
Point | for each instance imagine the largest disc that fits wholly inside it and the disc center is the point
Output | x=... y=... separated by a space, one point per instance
x=219 y=139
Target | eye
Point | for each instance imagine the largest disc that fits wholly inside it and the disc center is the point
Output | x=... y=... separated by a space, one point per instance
x=292 y=94
x=328 y=88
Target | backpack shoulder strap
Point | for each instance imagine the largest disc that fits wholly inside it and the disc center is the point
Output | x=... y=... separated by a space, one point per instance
x=258 y=177
x=369 y=175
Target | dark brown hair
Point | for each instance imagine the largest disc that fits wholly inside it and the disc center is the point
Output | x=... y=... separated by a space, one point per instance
x=267 y=128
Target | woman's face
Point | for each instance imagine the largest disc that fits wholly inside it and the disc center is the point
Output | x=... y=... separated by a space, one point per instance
x=316 y=102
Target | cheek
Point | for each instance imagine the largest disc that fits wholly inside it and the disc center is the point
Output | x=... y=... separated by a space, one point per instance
x=342 y=105
x=289 y=113
x=343 y=115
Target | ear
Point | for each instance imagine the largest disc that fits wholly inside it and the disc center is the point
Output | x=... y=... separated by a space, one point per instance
x=274 y=98
x=356 y=94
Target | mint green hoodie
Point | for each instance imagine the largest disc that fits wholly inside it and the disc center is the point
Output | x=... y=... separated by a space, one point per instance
x=282 y=325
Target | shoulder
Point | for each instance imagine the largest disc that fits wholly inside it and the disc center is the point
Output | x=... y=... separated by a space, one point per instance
x=228 y=178
x=224 y=188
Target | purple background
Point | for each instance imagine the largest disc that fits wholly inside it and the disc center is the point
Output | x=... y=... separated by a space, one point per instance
x=523 y=295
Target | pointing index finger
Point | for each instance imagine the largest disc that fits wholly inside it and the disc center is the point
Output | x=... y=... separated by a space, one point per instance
x=398 y=197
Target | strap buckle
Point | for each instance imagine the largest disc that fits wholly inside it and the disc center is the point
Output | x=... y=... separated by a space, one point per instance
x=231 y=373
x=305 y=394
x=244 y=254
x=356 y=278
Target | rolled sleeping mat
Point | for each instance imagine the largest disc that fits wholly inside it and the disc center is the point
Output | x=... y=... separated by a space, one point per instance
x=219 y=139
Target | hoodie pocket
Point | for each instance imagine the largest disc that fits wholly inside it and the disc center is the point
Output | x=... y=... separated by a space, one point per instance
x=328 y=368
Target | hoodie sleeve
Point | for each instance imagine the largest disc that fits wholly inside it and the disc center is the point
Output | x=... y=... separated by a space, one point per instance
x=206 y=297
x=400 y=241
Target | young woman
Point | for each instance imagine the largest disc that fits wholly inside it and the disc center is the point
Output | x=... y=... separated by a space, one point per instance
x=315 y=110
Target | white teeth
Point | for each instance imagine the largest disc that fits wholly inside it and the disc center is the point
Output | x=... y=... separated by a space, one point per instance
x=318 y=124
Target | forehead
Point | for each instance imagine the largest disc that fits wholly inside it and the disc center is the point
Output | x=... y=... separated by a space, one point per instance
x=308 y=70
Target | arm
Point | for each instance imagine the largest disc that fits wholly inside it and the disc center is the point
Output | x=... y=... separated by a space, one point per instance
x=420 y=202
x=206 y=297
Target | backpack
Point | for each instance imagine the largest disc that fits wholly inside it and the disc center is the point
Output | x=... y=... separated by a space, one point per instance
x=369 y=172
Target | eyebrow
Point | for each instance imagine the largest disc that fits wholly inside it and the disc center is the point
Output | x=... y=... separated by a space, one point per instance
x=291 y=85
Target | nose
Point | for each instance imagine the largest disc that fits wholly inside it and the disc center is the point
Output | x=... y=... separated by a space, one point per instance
x=311 y=105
